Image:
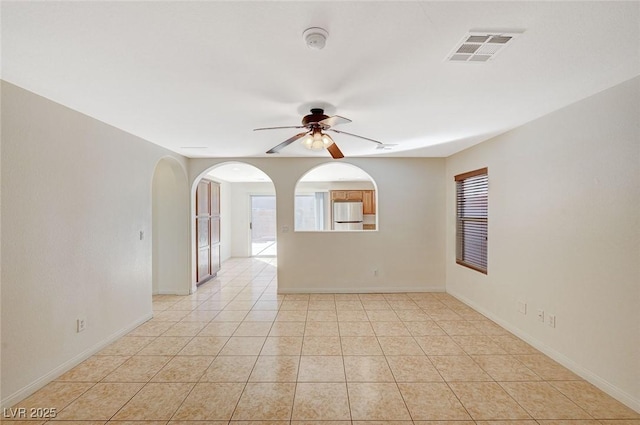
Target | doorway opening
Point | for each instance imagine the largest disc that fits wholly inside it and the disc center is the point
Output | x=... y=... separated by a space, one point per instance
x=336 y=197
x=247 y=214
x=263 y=226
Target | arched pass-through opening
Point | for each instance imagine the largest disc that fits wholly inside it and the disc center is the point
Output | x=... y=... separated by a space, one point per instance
x=170 y=229
x=246 y=229
x=336 y=197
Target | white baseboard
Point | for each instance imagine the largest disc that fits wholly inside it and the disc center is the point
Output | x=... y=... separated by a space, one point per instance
x=587 y=375
x=25 y=392
x=358 y=290
x=181 y=293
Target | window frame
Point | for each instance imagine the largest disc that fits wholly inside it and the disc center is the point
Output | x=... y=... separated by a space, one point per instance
x=320 y=210
x=461 y=236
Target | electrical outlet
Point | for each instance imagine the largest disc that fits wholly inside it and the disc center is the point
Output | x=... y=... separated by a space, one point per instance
x=551 y=320
x=522 y=307
x=541 y=316
x=81 y=324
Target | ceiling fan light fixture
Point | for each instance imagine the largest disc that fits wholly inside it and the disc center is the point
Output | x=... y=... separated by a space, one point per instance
x=313 y=137
x=317 y=141
x=317 y=145
x=313 y=141
x=326 y=141
x=307 y=142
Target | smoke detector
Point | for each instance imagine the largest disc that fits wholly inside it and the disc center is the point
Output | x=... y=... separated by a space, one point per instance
x=315 y=38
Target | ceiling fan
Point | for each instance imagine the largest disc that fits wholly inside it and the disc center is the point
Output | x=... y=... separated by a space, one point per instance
x=316 y=123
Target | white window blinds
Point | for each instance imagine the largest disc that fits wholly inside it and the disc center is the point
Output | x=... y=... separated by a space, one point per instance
x=472 y=206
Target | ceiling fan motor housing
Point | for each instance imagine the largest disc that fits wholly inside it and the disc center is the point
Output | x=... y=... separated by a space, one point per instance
x=316 y=116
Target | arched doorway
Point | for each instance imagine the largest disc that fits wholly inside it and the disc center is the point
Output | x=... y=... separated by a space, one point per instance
x=170 y=229
x=244 y=231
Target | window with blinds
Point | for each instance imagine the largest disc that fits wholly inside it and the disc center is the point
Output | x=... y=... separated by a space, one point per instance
x=472 y=205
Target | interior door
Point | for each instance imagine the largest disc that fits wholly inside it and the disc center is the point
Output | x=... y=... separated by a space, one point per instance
x=215 y=228
x=207 y=230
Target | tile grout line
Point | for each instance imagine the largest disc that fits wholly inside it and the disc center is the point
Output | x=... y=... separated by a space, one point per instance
x=484 y=371
x=159 y=370
x=173 y=357
x=254 y=364
x=344 y=366
x=236 y=290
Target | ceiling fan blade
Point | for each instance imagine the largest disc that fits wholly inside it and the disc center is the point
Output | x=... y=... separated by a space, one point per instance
x=276 y=128
x=335 y=151
x=334 y=120
x=355 y=135
x=386 y=146
x=287 y=142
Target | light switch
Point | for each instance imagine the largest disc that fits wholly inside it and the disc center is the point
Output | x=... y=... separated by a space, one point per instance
x=551 y=320
x=522 y=307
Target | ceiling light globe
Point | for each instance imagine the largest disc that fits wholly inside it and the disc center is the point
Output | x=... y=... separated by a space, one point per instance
x=326 y=140
x=307 y=142
x=317 y=145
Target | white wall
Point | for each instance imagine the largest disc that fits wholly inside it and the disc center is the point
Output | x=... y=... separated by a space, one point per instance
x=226 y=216
x=1 y=238
x=306 y=187
x=75 y=195
x=170 y=218
x=564 y=203
x=408 y=250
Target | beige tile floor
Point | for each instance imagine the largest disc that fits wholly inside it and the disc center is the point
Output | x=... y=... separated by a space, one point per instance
x=236 y=352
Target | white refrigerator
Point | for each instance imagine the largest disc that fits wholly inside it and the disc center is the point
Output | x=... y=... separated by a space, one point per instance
x=347 y=216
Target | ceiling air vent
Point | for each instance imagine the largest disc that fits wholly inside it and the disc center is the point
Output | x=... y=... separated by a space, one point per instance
x=481 y=46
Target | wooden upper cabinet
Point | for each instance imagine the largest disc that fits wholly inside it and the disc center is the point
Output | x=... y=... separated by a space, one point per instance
x=369 y=201
x=354 y=195
x=346 y=195
x=338 y=195
x=368 y=198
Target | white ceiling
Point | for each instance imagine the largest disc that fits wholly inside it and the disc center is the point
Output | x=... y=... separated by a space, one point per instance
x=197 y=77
